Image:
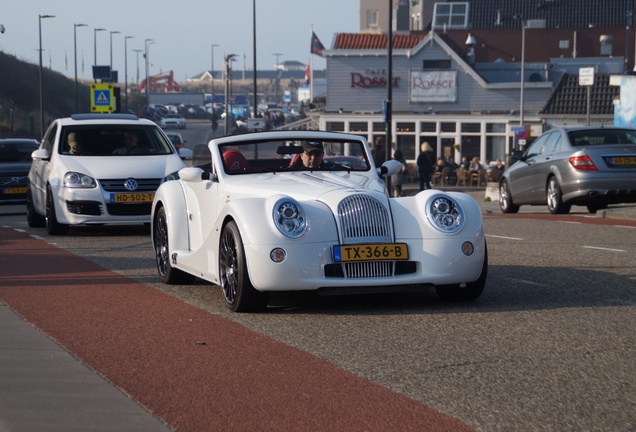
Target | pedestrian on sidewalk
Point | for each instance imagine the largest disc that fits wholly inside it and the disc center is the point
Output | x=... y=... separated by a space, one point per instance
x=425 y=165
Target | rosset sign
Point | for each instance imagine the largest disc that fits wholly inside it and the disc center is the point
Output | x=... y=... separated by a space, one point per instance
x=433 y=86
x=371 y=81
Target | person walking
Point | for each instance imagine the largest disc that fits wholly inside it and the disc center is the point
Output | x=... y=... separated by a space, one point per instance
x=399 y=178
x=425 y=165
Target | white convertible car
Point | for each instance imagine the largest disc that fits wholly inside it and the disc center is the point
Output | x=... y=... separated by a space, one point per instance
x=252 y=217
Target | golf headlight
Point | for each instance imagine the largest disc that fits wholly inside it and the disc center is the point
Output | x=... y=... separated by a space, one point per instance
x=444 y=214
x=173 y=176
x=289 y=218
x=77 y=180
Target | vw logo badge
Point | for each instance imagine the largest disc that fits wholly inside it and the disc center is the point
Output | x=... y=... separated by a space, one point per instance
x=131 y=184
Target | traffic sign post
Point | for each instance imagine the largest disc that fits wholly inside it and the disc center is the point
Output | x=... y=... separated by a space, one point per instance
x=586 y=78
x=102 y=98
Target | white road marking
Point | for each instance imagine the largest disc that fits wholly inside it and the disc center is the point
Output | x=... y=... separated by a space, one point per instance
x=503 y=237
x=605 y=249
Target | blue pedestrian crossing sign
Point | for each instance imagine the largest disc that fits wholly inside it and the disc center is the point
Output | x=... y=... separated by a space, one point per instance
x=102 y=98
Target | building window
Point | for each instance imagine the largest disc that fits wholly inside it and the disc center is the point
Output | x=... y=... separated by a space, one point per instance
x=405 y=127
x=379 y=127
x=372 y=18
x=428 y=126
x=448 y=127
x=335 y=126
x=436 y=64
x=471 y=127
x=450 y=15
x=495 y=128
x=358 y=127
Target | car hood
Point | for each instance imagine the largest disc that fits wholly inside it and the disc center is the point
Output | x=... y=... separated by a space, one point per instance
x=303 y=186
x=15 y=167
x=124 y=166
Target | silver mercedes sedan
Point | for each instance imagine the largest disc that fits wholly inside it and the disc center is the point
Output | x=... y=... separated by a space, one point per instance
x=566 y=166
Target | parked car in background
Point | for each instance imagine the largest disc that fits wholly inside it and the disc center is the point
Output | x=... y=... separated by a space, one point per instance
x=15 y=162
x=566 y=166
x=250 y=217
x=177 y=139
x=109 y=177
x=173 y=121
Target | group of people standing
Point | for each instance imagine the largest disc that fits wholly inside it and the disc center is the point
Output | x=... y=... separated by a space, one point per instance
x=427 y=166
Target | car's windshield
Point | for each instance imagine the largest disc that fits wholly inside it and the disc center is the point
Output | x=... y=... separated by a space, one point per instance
x=16 y=152
x=602 y=137
x=294 y=155
x=113 y=140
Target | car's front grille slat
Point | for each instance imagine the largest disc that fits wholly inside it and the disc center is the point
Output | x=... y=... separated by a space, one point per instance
x=117 y=185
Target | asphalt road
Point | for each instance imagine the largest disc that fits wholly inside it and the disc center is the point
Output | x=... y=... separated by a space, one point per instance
x=550 y=345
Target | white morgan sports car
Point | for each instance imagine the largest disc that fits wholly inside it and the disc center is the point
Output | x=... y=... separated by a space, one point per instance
x=278 y=211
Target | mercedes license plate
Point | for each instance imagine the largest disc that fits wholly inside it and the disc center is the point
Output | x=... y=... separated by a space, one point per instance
x=623 y=160
x=371 y=252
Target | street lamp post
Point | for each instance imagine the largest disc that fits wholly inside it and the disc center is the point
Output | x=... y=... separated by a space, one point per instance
x=126 y=69
x=137 y=78
x=212 y=73
x=228 y=78
x=523 y=65
x=147 y=86
x=75 y=26
x=111 y=47
x=41 y=80
x=277 y=55
x=95 y=43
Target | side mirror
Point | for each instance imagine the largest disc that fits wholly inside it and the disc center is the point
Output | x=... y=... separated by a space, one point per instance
x=389 y=168
x=40 y=154
x=185 y=153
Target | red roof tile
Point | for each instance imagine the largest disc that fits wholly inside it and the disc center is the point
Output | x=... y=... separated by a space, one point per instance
x=375 y=41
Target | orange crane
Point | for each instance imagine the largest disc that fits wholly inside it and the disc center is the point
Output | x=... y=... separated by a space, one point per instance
x=160 y=83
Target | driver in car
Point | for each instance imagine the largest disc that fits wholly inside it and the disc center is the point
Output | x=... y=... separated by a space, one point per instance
x=131 y=140
x=311 y=157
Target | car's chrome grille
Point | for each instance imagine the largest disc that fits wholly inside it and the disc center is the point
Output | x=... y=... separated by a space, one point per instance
x=368 y=269
x=364 y=219
x=117 y=185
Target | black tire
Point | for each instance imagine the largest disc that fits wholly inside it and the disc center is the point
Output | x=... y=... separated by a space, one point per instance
x=53 y=227
x=505 y=199
x=34 y=219
x=168 y=274
x=554 y=198
x=472 y=291
x=238 y=292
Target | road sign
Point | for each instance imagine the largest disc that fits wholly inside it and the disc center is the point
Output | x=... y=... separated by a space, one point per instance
x=520 y=131
x=586 y=76
x=102 y=98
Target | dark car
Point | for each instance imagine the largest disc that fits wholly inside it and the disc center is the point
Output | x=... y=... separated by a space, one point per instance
x=565 y=166
x=15 y=162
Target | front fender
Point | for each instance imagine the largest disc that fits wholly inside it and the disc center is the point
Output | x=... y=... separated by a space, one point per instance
x=171 y=197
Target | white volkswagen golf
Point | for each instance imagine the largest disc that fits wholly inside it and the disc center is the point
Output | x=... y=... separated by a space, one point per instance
x=99 y=169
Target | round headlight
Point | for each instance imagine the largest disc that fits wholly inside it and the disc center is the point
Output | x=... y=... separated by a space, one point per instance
x=445 y=214
x=77 y=180
x=289 y=218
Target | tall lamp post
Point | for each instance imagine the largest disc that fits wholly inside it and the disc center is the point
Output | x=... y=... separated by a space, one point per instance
x=212 y=73
x=95 y=43
x=228 y=78
x=523 y=65
x=111 y=47
x=137 y=78
x=75 y=26
x=147 y=86
x=126 y=69
x=277 y=55
x=41 y=81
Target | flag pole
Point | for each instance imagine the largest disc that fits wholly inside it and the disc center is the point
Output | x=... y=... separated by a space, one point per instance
x=311 y=72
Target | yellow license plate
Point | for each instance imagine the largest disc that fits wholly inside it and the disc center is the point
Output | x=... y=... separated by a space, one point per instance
x=371 y=252
x=126 y=198
x=16 y=190
x=627 y=160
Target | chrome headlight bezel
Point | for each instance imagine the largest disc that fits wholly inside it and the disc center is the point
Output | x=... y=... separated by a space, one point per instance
x=290 y=218
x=75 y=180
x=444 y=213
